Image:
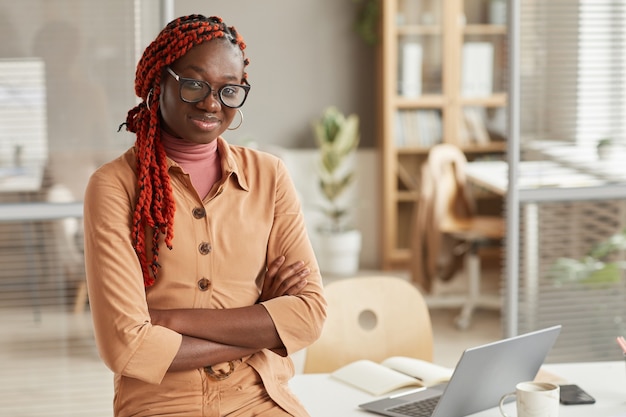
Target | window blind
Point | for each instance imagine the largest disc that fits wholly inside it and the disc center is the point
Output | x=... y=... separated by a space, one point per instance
x=573 y=70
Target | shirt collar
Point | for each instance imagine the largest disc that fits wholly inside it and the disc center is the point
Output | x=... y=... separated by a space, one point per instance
x=230 y=168
x=229 y=164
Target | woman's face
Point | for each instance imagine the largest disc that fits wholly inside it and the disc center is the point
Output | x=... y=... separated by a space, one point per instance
x=217 y=62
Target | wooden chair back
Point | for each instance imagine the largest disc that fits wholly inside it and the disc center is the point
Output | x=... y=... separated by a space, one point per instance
x=372 y=318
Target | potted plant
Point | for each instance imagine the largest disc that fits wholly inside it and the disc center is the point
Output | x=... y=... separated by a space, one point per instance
x=337 y=139
x=598 y=266
x=604 y=148
x=366 y=23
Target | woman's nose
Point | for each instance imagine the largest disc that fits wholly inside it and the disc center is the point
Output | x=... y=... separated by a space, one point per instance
x=211 y=101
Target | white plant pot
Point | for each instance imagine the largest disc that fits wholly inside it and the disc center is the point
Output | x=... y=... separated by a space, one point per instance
x=606 y=152
x=338 y=253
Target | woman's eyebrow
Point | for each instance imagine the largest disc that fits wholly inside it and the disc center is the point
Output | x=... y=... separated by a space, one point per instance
x=200 y=70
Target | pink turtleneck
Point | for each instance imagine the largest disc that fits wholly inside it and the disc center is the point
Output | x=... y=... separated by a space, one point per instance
x=201 y=161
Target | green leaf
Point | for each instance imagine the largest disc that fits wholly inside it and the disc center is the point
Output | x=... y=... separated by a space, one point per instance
x=609 y=273
x=337 y=137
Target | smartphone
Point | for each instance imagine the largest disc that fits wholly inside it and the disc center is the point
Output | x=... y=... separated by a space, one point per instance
x=573 y=394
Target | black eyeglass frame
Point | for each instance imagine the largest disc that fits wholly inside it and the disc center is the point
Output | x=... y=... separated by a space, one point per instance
x=182 y=80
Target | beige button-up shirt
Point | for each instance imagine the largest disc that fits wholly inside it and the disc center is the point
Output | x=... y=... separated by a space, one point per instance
x=221 y=245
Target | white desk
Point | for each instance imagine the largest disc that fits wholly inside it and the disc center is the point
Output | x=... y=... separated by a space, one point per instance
x=21 y=179
x=30 y=215
x=493 y=176
x=39 y=211
x=606 y=381
x=585 y=158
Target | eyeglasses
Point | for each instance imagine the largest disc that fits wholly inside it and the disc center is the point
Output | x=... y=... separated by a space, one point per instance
x=194 y=91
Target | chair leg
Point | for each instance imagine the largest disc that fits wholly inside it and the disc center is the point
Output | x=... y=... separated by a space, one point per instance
x=472 y=270
x=81 y=298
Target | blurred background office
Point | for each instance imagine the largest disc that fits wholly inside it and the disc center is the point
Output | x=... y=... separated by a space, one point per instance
x=67 y=81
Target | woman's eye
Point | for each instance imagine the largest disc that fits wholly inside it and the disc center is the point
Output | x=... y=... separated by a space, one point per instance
x=194 y=85
x=229 y=91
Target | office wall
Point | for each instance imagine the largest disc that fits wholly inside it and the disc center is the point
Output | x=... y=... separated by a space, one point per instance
x=304 y=56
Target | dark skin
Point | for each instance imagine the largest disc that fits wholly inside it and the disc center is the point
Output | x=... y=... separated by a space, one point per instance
x=233 y=333
x=217 y=62
x=212 y=336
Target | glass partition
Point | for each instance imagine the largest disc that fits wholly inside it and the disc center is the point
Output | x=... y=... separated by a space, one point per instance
x=66 y=83
x=570 y=179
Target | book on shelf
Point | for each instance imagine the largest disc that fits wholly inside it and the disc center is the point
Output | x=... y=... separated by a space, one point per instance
x=399 y=130
x=418 y=128
x=391 y=374
x=411 y=81
x=475 y=120
x=477 y=69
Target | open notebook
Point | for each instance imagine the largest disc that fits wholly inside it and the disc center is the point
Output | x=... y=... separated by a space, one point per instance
x=480 y=378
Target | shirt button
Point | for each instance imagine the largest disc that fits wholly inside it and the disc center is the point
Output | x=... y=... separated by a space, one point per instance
x=204 y=248
x=204 y=284
x=199 y=212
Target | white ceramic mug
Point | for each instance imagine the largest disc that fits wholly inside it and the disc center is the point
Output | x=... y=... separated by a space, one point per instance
x=534 y=399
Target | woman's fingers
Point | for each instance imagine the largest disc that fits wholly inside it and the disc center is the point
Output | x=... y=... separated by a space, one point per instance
x=295 y=282
x=288 y=280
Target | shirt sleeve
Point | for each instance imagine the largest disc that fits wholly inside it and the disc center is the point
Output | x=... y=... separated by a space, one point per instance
x=127 y=341
x=298 y=319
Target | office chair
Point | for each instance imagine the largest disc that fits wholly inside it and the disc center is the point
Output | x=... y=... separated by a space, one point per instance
x=69 y=251
x=448 y=233
x=371 y=318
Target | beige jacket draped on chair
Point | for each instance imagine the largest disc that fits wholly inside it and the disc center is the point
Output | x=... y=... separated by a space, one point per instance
x=443 y=192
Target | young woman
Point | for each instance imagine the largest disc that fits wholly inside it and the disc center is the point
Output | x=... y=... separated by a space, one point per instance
x=201 y=276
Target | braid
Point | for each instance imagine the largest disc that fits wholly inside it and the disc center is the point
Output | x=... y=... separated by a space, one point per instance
x=154 y=208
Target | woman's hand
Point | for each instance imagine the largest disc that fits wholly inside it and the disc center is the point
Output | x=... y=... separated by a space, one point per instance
x=289 y=280
x=278 y=281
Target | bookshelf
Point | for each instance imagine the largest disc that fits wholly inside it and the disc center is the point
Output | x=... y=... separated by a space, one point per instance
x=443 y=79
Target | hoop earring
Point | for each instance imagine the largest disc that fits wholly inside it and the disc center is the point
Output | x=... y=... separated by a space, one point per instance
x=149 y=97
x=240 y=122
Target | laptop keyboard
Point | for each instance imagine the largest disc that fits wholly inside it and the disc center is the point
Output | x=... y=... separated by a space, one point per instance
x=421 y=408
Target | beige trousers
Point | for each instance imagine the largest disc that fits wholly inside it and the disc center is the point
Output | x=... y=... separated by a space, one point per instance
x=242 y=394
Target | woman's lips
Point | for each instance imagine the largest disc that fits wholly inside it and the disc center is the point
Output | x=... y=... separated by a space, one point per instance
x=206 y=122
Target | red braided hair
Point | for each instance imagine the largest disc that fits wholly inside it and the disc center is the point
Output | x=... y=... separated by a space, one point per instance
x=154 y=209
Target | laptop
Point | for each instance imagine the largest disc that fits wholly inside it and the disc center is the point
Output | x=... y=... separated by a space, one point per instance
x=482 y=375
